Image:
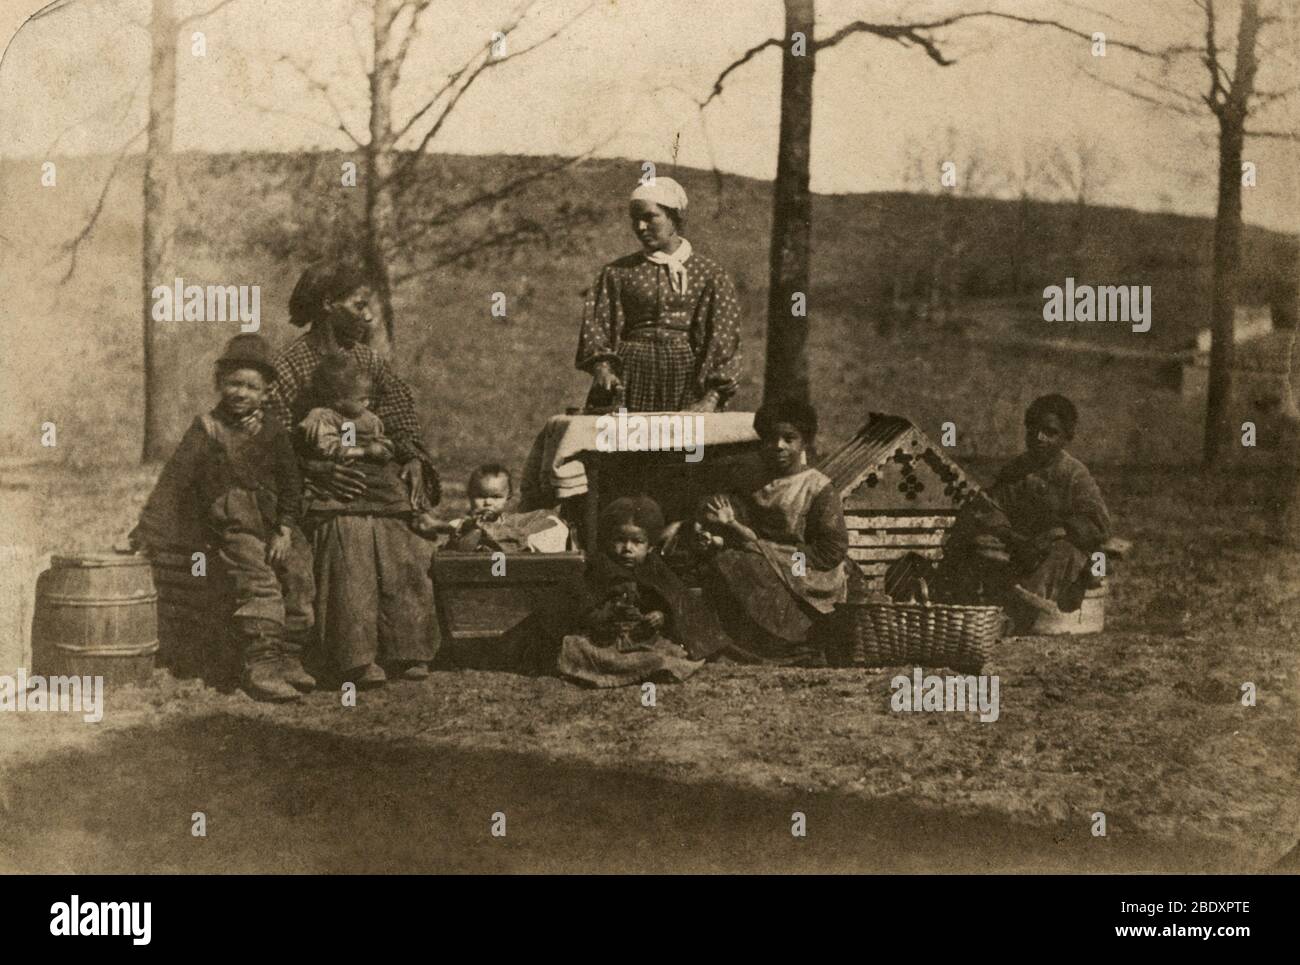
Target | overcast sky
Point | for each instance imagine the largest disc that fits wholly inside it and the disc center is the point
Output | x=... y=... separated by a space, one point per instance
x=628 y=73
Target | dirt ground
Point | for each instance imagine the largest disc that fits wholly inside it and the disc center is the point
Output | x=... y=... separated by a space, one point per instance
x=1143 y=723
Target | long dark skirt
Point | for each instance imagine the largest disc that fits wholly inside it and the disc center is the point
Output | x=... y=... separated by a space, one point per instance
x=374 y=594
x=609 y=665
x=752 y=610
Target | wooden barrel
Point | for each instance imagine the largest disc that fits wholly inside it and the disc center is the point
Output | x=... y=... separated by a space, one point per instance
x=95 y=616
x=193 y=614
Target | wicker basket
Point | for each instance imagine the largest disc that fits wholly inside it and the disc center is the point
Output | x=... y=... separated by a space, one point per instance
x=919 y=634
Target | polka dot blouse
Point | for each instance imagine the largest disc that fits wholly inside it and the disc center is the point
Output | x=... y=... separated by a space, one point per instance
x=634 y=294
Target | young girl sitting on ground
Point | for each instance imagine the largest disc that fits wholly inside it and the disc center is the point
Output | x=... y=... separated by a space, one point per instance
x=237 y=472
x=622 y=624
x=489 y=526
x=1028 y=545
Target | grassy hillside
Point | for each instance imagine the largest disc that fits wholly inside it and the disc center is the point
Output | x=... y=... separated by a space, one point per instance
x=485 y=384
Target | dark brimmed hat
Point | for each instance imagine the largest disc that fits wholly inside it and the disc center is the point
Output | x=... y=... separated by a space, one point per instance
x=248 y=351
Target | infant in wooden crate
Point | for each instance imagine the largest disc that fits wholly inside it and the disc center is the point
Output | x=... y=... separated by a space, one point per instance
x=491 y=526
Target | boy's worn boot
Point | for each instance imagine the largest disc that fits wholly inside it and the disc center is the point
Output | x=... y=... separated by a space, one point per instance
x=291 y=668
x=262 y=678
x=370 y=676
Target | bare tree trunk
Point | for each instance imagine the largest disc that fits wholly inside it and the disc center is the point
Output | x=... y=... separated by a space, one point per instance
x=1227 y=256
x=786 y=373
x=1227 y=235
x=159 y=175
x=381 y=208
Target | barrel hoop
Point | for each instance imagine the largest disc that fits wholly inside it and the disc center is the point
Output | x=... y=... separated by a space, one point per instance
x=98 y=561
x=139 y=650
x=58 y=600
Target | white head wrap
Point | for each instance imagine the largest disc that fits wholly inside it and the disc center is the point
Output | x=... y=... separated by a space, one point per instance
x=662 y=191
x=667 y=193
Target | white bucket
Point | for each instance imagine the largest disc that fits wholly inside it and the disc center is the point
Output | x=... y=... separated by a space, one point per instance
x=1089 y=618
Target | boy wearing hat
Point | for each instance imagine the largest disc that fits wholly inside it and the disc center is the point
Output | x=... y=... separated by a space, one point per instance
x=236 y=472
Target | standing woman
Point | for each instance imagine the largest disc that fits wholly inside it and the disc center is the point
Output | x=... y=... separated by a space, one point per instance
x=374 y=594
x=661 y=328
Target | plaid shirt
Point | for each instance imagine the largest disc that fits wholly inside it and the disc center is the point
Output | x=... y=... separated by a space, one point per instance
x=290 y=399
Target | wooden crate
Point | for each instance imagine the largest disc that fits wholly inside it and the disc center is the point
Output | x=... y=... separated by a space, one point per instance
x=476 y=607
x=901 y=496
x=877 y=541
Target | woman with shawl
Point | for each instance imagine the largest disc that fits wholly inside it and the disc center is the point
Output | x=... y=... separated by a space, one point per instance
x=661 y=328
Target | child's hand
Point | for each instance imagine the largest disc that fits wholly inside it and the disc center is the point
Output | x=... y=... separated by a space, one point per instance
x=427 y=524
x=655 y=618
x=718 y=510
x=133 y=542
x=703 y=540
x=278 y=550
x=376 y=450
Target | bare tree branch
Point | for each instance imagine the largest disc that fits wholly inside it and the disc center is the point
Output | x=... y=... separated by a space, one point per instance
x=1218 y=94
x=1186 y=110
x=450 y=213
x=455 y=76
x=127 y=98
x=362 y=67
x=740 y=61
x=1264 y=97
x=186 y=21
x=526 y=231
x=72 y=247
x=921 y=34
x=703 y=119
x=278 y=111
x=915 y=33
x=412 y=30
x=474 y=72
x=323 y=89
x=1274 y=135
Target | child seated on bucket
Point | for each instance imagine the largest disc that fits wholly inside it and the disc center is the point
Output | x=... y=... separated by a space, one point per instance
x=345 y=429
x=1031 y=540
x=236 y=471
x=490 y=527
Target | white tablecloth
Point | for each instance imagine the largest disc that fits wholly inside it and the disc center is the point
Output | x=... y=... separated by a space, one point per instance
x=555 y=469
